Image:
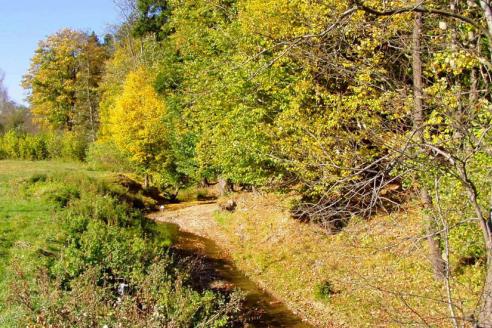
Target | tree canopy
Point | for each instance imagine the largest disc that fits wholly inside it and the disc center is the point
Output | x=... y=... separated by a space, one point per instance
x=63 y=81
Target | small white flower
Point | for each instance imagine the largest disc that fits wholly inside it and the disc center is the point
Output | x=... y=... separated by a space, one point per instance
x=443 y=25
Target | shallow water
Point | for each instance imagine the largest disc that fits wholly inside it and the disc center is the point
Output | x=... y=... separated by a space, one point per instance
x=273 y=313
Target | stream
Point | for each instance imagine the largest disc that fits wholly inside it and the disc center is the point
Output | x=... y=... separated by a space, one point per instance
x=270 y=311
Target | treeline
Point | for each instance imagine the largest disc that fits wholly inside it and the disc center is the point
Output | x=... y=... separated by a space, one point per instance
x=42 y=146
x=12 y=116
x=353 y=104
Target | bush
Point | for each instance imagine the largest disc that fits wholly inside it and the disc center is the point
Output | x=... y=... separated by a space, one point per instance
x=104 y=155
x=38 y=177
x=194 y=193
x=74 y=146
x=10 y=145
x=114 y=268
x=33 y=147
x=68 y=146
x=63 y=196
x=324 y=291
x=467 y=243
x=54 y=145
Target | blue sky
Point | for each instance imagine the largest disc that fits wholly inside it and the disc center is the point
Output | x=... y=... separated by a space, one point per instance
x=23 y=23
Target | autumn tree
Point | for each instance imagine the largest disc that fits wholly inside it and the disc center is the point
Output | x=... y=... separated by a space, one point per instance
x=135 y=123
x=62 y=81
x=91 y=68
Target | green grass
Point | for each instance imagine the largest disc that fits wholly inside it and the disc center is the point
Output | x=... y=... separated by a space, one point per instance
x=194 y=193
x=69 y=237
x=25 y=223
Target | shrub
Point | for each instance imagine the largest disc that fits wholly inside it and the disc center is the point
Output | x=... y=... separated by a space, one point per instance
x=74 y=146
x=107 y=245
x=69 y=146
x=194 y=193
x=54 y=145
x=106 y=156
x=38 y=177
x=10 y=145
x=64 y=195
x=467 y=244
x=162 y=299
x=32 y=147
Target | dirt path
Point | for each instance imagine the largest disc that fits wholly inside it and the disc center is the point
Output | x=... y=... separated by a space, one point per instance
x=200 y=234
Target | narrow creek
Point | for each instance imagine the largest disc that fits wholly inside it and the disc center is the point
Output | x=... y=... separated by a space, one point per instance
x=271 y=312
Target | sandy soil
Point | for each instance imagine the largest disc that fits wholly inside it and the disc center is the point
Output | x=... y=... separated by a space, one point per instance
x=196 y=218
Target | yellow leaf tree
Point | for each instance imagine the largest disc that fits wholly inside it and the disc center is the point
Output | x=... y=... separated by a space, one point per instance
x=63 y=81
x=135 y=123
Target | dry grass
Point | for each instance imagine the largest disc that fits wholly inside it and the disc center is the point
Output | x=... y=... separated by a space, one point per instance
x=377 y=271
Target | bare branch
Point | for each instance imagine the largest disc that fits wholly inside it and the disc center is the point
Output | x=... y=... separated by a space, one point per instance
x=421 y=9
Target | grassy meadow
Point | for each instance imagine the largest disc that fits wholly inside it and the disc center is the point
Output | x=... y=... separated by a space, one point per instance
x=25 y=223
x=76 y=250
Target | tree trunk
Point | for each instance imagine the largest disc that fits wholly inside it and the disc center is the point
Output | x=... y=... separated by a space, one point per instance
x=485 y=318
x=146 y=181
x=89 y=103
x=473 y=88
x=204 y=183
x=174 y=195
x=418 y=114
x=435 y=252
x=225 y=187
x=418 y=122
x=485 y=220
x=487 y=13
x=454 y=36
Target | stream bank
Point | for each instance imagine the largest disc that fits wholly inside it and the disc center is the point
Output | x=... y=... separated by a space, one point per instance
x=219 y=271
x=327 y=280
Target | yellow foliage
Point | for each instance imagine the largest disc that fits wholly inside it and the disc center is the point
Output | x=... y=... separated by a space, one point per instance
x=63 y=78
x=135 y=122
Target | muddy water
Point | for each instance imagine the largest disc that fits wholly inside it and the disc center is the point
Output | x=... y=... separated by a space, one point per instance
x=271 y=312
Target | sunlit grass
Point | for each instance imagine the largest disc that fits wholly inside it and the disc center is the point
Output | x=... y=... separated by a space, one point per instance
x=351 y=279
x=25 y=223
